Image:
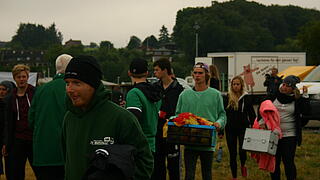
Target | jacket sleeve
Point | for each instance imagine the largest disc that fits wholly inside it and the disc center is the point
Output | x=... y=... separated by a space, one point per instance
x=222 y=117
x=304 y=106
x=179 y=105
x=266 y=82
x=7 y=118
x=32 y=111
x=250 y=111
x=131 y=133
x=134 y=105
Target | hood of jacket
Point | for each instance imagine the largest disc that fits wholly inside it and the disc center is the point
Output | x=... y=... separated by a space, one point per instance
x=153 y=92
x=100 y=95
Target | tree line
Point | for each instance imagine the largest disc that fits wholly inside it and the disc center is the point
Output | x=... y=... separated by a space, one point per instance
x=236 y=25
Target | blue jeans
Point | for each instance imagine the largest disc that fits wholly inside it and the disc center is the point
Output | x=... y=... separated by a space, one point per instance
x=190 y=160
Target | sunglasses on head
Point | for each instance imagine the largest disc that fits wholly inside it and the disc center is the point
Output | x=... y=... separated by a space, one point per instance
x=197 y=72
x=201 y=65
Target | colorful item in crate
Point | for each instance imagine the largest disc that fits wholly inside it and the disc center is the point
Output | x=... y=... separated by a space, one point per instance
x=189 y=118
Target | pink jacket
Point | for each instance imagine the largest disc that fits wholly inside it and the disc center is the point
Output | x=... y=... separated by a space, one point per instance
x=271 y=118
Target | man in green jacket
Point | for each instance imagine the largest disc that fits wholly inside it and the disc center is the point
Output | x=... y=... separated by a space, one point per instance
x=45 y=118
x=144 y=100
x=93 y=122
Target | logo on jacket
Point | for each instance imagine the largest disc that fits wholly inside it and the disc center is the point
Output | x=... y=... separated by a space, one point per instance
x=105 y=141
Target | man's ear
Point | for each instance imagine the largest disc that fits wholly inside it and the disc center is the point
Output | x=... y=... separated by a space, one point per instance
x=129 y=74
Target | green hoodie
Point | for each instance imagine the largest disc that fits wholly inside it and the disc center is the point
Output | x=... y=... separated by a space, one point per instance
x=45 y=118
x=102 y=123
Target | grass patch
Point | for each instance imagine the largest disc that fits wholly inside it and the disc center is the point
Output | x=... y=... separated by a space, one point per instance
x=307 y=161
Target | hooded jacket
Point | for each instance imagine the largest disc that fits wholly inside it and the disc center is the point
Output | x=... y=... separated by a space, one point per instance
x=271 y=117
x=12 y=115
x=241 y=118
x=146 y=99
x=45 y=118
x=169 y=103
x=101 y=124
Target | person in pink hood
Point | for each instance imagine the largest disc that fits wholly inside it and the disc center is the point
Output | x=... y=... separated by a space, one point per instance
x=290 y=105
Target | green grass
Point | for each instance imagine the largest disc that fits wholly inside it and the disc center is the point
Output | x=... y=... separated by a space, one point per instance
x=307 y=162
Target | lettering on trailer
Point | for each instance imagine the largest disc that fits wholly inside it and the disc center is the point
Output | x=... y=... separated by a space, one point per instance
x=274 y=60
x=271 y=61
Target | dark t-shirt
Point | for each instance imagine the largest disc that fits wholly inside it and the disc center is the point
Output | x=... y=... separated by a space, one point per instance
x=215 y=83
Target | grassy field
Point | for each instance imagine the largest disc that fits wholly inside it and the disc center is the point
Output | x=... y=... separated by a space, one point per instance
x=307 y=162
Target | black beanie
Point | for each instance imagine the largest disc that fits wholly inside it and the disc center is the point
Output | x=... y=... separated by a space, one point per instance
x=86 y=69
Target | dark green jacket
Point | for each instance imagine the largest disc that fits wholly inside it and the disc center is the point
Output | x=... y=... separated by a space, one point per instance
x=45 y=118
x=102 y=123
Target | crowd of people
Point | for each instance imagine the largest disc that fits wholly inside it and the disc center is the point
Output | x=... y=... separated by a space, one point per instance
x=73 y=128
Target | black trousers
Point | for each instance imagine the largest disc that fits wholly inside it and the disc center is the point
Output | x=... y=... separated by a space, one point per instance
x=1 y=165
x=171 y=152
x=190 y=161
x=15 y=162
x=50 y=172
x=286 y=152
x=234 y=137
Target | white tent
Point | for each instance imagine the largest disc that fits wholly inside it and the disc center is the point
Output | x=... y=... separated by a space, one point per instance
x=106 y=83
x=7 y=76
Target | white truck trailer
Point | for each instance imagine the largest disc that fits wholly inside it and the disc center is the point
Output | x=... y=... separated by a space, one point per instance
x=252 y=66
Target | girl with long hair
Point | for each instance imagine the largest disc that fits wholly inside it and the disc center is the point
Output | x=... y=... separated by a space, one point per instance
x=214 y=77
x=240 y=115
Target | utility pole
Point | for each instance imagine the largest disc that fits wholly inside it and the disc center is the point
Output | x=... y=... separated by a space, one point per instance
x=196 y=27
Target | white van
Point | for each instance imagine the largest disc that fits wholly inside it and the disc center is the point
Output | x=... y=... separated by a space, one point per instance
x=312 y=81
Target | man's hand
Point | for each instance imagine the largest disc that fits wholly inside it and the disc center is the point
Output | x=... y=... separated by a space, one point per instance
x=123 y=103
x=217 y=125
x=305 y=90
x=4 y=151
x=263 y=126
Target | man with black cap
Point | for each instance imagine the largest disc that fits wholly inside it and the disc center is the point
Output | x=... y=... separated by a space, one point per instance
x=92 y=121
x=144 y=100
x=290 y=105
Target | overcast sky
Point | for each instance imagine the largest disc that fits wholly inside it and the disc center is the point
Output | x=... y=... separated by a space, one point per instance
x=97 y=20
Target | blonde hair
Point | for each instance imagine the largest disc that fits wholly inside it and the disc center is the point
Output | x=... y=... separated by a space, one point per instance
x=20 y=68
x=233 y=96
x=214 y=72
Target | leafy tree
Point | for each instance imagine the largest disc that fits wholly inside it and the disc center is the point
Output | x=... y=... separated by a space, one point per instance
x=134 y=42
x=239 y=25
x=106 y=44
x=151 y=42
x=164 y=35
x=32 y=36
x=93 y=45
x=309 y=38
x=290 y=45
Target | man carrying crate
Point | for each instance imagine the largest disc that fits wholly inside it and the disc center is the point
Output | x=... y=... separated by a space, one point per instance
x=205 y=102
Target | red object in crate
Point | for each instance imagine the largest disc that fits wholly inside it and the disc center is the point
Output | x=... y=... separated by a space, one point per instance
x=189 y=118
